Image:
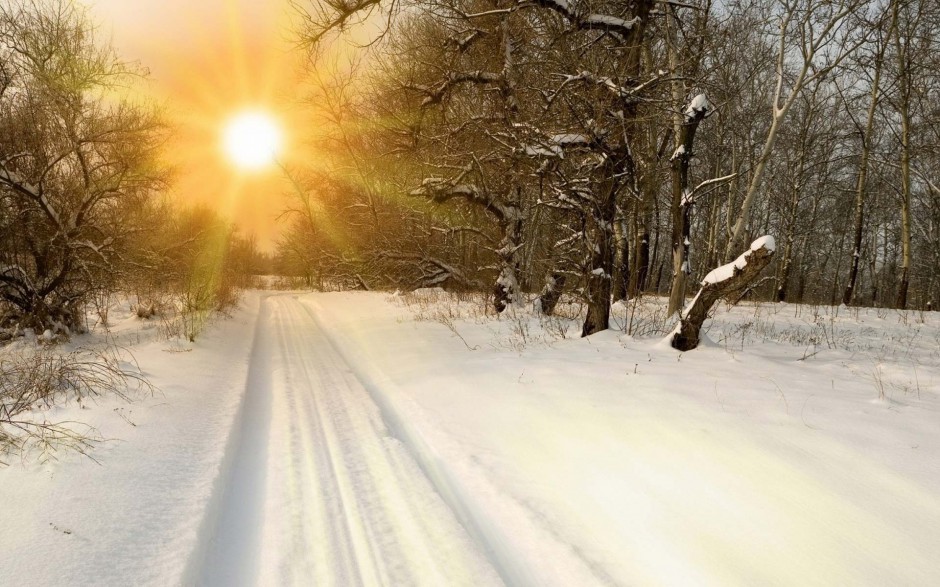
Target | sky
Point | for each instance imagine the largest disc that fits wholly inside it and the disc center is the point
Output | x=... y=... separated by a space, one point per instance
x=208 y=60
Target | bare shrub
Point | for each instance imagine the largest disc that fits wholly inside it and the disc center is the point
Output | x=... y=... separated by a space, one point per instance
x=186 y=309
x=514 y=329
x=152 y=305
x=33 y=380
x=642 y=317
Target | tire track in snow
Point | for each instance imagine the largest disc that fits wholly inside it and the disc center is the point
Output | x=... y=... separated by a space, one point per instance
x=231 y=557
x=523 y=547
x=319 y=492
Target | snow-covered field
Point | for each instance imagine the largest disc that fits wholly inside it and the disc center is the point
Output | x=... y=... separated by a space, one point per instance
x=362 y=438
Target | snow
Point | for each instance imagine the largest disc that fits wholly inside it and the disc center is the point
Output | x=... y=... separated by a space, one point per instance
x=563 y=4
x=435 y=184
x=141 y=516
x=355 y=438
x=540 y=151
x=464 y=189
x=611 y=21
x=765 y=242
x=556 y=144
x=605 y=81
x=727 y=271
x=698 y=104
x=14 y=179
x=601 y=461
x=570 y=139
x=319 y=492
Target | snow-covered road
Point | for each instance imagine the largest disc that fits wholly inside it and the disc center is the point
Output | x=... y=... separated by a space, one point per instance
x=318 y=492
x=338 y=439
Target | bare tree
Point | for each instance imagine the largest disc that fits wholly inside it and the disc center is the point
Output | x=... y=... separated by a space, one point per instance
x=912 y=47
x=815 y=38
x=75 y=159
x=880 y=38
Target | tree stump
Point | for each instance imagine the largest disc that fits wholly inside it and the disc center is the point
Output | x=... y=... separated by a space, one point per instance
x=723 y=282
x=551 y=293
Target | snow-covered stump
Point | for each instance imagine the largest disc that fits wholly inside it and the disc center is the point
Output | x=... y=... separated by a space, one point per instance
x=724 y=282
x=551 y=293
x=506 y=288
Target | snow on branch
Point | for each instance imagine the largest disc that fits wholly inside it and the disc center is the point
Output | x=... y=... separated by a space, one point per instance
x=678 y=4
x=7 y=276
x=15 y=182
x=434 y=271
x=570 y=139
x=98 y=249
x=698 y=107
x=627 y=94
x=726 y=272
x=543 y=151
x=612 y=23
x=690 y=196
x=440 y=190
x=597 y=22
x=462 y=43
x=31 y=191
x=555 y=145
x=434 y=94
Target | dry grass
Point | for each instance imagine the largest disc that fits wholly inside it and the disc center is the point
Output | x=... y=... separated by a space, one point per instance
x=33 y=380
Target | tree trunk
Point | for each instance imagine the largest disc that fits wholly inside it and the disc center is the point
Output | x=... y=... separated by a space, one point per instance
x=506 y=288
x=601 y=255
x=904 y=114
x=728 y=281
x=621 y=261
x=682 y=201
x=794 y=205
x=862 y=183
x=639 y=276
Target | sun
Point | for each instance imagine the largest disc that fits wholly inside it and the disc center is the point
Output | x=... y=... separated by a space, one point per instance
x=252 y=140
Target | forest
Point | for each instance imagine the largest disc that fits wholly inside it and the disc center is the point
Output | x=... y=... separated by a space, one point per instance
x=609 y=150
x=597 y=151
x=84 y=204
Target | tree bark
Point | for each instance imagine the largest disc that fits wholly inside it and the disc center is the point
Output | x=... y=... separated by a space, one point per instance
x=794 y=205
x=621 y=260
x=506 y=288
